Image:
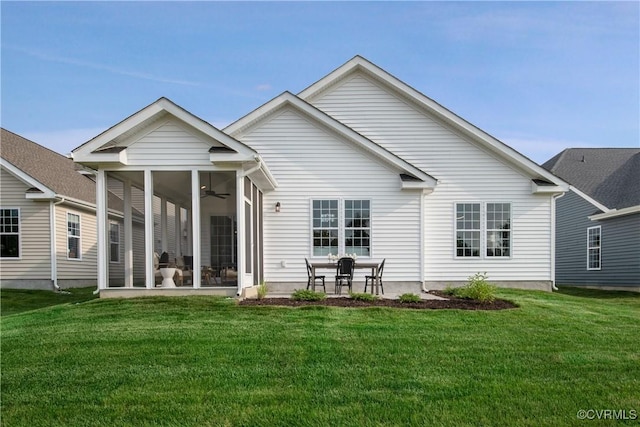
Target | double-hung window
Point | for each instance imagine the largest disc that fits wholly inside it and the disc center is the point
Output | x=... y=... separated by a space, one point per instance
x=9 y=233
x=114 y=242
x=73 y=236
x=483 y=229
x=594 y=245
x=341 y=227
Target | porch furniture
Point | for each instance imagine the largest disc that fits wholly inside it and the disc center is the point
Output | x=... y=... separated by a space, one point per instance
x=344 y=274
x=167 y=277
x=378 y=277
x=156 y=268
x=182 y=271
x=311 y=278
x=361 y=264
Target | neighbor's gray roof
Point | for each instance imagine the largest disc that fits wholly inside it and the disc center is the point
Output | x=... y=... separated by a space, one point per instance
x=51 y=169
x=611 y=176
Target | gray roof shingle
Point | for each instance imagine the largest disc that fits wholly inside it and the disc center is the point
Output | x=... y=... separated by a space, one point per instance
x=47 y=167
x=611 y=176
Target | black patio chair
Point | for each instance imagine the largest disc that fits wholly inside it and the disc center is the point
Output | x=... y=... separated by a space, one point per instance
x=344 y=274
x=310 y=278
x=373 y=278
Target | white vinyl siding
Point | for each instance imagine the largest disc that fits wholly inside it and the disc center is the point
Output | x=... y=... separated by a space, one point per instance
x=309 y=161
x=35 y=236
x=594 y=245
x=464 y=172
x=159 y=146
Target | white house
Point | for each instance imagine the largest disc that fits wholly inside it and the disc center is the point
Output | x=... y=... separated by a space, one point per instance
x=359 y=162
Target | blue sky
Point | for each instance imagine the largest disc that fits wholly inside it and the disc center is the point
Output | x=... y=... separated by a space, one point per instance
x=540 y=76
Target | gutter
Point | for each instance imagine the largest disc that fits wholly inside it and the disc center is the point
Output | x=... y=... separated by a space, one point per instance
x=54 y=257
x=422 y=242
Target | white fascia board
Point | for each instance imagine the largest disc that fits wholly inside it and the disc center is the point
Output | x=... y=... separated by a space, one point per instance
x=289 y=99
x=547 y=189
x=614 y=213
x=590 y=199
x=46 y=192
x=484 y=139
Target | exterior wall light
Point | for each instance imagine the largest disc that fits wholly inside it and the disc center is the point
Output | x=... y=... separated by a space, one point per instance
x=278 y=207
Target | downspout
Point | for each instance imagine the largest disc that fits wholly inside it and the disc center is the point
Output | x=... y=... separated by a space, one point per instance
x=242 y=175
x=553 y=239
x=422 y=241
x=54 y=256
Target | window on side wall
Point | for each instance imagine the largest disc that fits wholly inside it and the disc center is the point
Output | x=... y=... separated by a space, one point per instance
x=357 y=227
x=73 y=236
x=498 y=230
x=467 y=230
x=114 y=242
x=594 y=247
x=325 y=227
x=9 y=233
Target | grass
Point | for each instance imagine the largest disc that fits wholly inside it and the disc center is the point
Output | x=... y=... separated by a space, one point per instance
x=14 y=301
x=203 y=361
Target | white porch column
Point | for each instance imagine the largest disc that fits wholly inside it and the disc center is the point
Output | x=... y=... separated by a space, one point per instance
x=178 y=231
x=164 y=234
x=101 y=212
x=148 y=229
x=128 y=235
x=195 y=224
x=240 y=236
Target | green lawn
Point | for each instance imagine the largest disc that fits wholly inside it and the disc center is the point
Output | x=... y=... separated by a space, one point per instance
x=202 y=361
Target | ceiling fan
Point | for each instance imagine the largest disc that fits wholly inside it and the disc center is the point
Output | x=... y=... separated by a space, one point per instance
x=213 y=192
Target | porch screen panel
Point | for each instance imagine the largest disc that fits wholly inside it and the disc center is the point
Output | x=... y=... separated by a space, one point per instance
x=325 y=227
x=247 y=237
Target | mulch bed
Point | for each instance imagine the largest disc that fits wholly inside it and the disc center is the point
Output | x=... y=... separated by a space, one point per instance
x=450 y=303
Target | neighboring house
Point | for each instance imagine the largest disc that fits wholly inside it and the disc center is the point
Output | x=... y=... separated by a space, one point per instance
x=47 y=219
x=598 y=220
x=359 y=162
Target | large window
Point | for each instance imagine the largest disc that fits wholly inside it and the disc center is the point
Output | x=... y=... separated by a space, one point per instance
x=594 y=248
x=468 y=229
x=498 y=229
x=341 y=227
x=114 y=242
x=73 y=236
x=325 y=227
x=10 y=233
x=357 y=227
x=483 y=228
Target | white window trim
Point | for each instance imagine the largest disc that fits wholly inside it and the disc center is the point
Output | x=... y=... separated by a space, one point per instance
x=68 y=236
x=589 y=268
x=486 y=229
x=19 y=257
x=483 y=231
x=341 y=226
x=111 y=242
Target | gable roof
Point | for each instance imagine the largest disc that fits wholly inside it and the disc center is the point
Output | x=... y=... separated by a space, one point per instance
x=610 y=176
x=46 y=170
x=111 y=144
x=428 y=105
x=411 y=176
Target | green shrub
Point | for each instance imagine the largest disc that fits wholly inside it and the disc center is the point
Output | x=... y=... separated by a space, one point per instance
x=362 y=296
x=407 y=298
x=308 y=295
x=262 y=290
x=477 y=289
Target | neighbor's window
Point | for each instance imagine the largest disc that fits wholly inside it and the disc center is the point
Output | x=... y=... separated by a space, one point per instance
x=357 y=227
x=325 y=227
x=114 y=242
x=73 y=236
x=467 y=229
x=10 y=233
x=594 y=248
x=498 y=229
